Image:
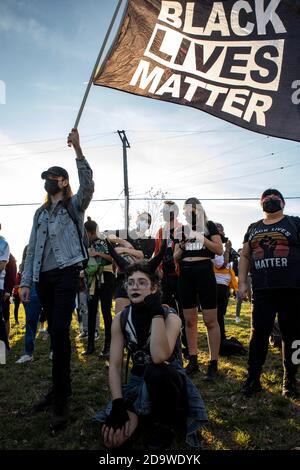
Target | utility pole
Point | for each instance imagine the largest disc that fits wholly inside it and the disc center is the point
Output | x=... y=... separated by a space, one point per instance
x=126 y=145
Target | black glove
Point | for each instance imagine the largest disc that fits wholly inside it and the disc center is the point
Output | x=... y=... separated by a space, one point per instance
x=118 y=415
x=154 y=306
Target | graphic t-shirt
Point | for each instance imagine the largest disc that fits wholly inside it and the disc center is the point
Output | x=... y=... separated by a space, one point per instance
x=275 y=253
x=194 y=248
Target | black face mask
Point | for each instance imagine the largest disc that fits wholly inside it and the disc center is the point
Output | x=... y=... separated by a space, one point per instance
x=51 y=186
x=272 y=205
x=224 y=239
x=192 y=219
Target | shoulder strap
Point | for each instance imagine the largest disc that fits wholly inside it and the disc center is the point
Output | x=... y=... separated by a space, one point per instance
x=124 y=318
x=70 y=209
x=123 y=321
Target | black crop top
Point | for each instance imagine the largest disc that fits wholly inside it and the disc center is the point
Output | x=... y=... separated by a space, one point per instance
x=193 y=249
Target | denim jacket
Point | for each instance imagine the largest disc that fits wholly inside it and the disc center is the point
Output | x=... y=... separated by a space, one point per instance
x=60 y=228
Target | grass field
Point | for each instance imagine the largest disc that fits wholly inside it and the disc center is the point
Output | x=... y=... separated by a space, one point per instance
x=265 y=422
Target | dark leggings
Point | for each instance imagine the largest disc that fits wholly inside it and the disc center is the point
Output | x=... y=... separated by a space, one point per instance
x=105 y=295
x=222 y=303
x=266 y=303
x=170 y=296
x=167 y=393
x=16 y=308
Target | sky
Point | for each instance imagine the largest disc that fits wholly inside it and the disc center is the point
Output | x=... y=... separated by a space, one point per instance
x=47 y=51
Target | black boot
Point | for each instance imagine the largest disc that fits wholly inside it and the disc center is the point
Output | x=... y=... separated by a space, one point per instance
x=89 y=350
x=105 y=351
x=192 y=366
x=45 y=403
x=90 y=345
x=60 y=416
x=251 y=386
x=212 y=371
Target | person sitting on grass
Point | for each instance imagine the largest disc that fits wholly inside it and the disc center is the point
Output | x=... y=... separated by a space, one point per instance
x=158 y=386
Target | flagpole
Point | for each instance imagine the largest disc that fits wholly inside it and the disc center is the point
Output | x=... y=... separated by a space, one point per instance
x=97 y=63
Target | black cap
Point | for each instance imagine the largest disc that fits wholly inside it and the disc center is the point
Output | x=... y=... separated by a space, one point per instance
x=270 y=191
x=55 y=171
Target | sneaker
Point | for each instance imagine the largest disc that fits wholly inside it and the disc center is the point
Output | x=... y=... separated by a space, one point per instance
x=251 y=387
x=96 y=335
x=45 y=402
x=192 y=366
x=24 y=358
x=161 y=437
x=83 y=335
x=212 y=371
x=289 y=388
x=60 y=416
x=51 y=355
x=237 y=320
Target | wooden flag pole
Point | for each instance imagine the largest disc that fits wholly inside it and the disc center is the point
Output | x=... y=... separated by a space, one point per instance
x=97 y=63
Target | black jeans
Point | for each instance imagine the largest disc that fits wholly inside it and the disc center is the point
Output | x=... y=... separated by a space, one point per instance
x=222 y=303
x=168 y=396
x=57 y=291
x=266 y=303
x=170 y=296
x=104 y=294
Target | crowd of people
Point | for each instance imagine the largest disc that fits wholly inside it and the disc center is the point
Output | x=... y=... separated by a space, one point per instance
x=157 y=287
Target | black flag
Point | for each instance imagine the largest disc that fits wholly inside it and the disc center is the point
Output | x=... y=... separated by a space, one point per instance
x=237 y=60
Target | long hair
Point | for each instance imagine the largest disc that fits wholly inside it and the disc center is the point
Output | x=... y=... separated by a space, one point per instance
x=67 y=194
x=194 y=202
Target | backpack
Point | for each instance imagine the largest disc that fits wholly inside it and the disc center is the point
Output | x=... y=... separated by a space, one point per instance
x=232 y=346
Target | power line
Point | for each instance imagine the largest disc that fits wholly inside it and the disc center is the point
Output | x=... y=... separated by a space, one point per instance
x=52 y=139
x=23 y=204
x=205 y=160
x=99 y=147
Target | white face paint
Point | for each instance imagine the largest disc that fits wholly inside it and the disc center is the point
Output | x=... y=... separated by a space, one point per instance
x=138 y=286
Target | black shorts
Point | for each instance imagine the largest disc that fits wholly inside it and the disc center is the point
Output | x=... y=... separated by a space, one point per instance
x=197 y=284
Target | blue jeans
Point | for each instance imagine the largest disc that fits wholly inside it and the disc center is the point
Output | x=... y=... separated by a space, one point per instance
x=33 y=311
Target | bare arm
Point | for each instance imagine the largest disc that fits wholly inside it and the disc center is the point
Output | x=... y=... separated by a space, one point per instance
x=138 y=254
x=244 y=266
x=178 y=251
x=214 y=245
x=116 y=358
x=164 y=334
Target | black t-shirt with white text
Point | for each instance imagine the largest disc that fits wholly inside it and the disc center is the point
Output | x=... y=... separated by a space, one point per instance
x=275 y=253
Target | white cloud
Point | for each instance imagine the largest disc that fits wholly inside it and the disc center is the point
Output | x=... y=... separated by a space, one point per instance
x=42 y=36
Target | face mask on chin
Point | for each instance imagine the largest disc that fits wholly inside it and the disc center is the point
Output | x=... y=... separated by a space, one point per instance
x=51 y=186
x=272 y=205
